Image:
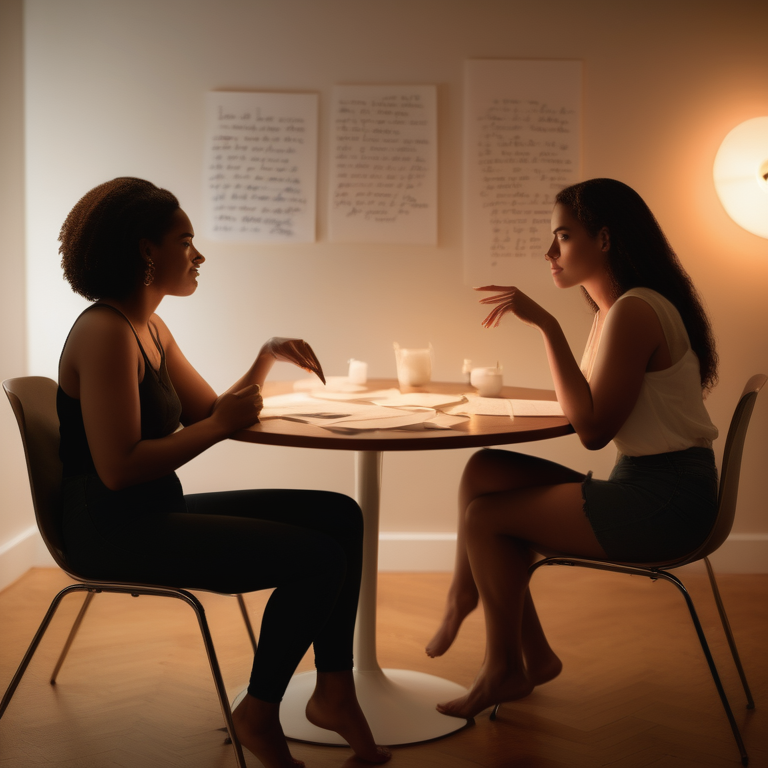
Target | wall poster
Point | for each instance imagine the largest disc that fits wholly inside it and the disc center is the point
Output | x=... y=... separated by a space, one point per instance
x=384 y=164
x=260 y=174
x=521 y=147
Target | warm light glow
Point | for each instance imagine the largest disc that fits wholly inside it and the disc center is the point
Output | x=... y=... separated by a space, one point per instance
x=741 y=175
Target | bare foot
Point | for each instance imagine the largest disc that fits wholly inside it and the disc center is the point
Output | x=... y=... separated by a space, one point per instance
x=487 y=691
x=543 y=670
x=334 y=706
x=257 y=725
x=456 y=610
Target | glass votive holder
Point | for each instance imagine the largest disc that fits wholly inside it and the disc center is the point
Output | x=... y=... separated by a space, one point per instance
x=414 y=366
x=487 y=381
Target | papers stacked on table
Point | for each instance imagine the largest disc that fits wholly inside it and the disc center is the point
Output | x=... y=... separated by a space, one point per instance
x=344 y=407
x=352 y=413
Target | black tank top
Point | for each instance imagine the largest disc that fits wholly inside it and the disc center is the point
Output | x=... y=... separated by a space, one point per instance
x=160 y=409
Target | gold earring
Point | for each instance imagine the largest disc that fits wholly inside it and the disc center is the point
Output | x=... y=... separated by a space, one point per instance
x=149 y=272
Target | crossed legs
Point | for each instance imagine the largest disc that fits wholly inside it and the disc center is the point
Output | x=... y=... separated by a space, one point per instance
x=511 y=506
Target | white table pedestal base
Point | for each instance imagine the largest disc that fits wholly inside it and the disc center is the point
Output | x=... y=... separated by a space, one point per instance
x=398 y=704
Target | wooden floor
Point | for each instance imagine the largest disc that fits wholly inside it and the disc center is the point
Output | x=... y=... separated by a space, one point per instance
x=635 y=691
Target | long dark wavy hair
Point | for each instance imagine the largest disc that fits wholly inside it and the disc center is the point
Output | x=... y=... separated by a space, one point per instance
x=100 y=236
x=640 y=256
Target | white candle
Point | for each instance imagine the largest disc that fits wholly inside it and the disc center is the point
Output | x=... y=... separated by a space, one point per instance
x=358 y=371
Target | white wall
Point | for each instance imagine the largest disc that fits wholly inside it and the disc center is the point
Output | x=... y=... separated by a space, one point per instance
x=117 y=89
x=18 y=539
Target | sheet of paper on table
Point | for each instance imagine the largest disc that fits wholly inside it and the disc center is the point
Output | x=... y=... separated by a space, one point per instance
x=347 y=416
x=343 y=406
x=353 y=414
x=419 y=399
x=536 y=408
x=299 y=406
x=482 y=406
x=499 y=406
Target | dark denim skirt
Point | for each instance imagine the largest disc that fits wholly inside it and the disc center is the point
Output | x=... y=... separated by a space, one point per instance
x=654 y=508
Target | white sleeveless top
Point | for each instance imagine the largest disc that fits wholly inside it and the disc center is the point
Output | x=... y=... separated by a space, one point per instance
x=669 y=414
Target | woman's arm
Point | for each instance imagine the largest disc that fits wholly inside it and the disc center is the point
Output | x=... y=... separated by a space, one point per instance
x=103 y=354
x=199 y=400
x=631 y=337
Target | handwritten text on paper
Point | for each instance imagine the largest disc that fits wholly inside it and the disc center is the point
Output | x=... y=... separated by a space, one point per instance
x=260 y=172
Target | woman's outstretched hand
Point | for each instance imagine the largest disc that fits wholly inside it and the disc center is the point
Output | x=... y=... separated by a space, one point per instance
x=295 y=351
x=511 y=299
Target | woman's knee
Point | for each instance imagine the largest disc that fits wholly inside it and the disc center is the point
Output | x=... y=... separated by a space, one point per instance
x=495 y=471
x=484 y=459
x=342 y=519
x=490 y=471
x=322 y=559
x=478 y=517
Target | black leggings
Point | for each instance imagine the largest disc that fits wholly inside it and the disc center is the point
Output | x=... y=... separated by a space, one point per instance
x=307 y=545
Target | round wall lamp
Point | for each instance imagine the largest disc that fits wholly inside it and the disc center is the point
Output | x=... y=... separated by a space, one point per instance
x=741 y=175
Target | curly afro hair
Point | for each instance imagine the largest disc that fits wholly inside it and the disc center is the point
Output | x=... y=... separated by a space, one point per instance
x=100 y=237
x=641 y=256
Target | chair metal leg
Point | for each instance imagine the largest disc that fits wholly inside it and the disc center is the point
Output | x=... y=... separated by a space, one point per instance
x=35 y=642
x=710 y=661
x=72 y=632
x=179 y=594
x=729 y=634
x=672 y=579
x=197 y=607
x=247 y=621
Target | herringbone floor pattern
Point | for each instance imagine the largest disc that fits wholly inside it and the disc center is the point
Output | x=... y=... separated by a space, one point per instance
x=136 y=692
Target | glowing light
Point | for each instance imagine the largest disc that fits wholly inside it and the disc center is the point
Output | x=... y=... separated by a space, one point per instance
x=741 y=175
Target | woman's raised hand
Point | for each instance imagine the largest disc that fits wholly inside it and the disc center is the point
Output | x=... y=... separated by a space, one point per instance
x=295 y=351
x=511 y=299
x=239 y=410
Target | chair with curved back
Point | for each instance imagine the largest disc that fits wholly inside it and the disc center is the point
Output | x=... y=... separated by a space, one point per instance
x=727 y=495
x=33 y=399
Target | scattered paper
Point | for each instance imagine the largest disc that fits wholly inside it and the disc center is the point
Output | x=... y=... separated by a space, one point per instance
x=536 y=408
x=438 y=421
x=308 y=410
x=397 y=419
x=358 y=410
x=424 y=399
x=483 y=406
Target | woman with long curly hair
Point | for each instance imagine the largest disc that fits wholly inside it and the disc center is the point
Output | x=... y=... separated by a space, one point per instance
x=649 y=360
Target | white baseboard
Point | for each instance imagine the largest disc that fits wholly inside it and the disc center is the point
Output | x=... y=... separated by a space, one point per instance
x=22 y=552
x=414 y=551
x=405 y=552
x=741 y=553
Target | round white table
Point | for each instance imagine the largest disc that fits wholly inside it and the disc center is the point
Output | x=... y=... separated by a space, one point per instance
x=399 y=704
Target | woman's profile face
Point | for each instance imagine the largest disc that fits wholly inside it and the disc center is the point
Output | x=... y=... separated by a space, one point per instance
x=575 y=256
x=175 y=258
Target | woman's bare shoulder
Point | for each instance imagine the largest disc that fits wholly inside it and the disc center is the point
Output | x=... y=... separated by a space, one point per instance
x=633 y=324
x=99 y=322
x=634 y=312
x=100 y=339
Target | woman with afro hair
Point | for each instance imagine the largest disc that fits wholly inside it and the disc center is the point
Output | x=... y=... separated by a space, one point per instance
x=125 y=389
